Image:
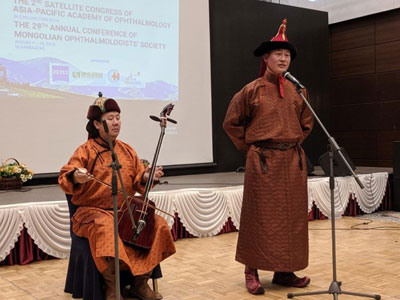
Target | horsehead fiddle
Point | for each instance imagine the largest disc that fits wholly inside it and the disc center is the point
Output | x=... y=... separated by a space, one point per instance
x=141 y=232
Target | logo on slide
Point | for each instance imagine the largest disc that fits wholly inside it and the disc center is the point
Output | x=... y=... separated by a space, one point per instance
x=59 y=73
x=113 y=75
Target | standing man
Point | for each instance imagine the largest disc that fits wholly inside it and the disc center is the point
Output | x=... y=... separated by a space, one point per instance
x=268 y=121
x=94 y=218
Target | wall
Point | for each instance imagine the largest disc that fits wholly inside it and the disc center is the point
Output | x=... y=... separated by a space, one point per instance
x=365 y=95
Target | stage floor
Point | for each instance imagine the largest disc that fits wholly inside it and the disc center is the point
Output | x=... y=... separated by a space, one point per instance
x=368 y=261
x=43 y=193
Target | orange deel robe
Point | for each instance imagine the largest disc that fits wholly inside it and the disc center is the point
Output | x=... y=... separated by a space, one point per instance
x=94 y=219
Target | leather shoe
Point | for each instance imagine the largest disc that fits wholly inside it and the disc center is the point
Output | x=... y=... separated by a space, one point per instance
x=109 y=280
x=140 y=289
x=253 y=284
x=290 y=279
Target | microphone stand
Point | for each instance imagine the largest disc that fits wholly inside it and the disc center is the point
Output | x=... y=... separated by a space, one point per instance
x=115 y=165
x=335 y=286
x=114 y=191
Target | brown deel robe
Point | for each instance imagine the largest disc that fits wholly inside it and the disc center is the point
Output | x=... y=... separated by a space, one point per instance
x=94 y=219
x=273 y=231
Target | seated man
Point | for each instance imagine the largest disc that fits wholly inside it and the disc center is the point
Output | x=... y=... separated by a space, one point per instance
x=94 y=219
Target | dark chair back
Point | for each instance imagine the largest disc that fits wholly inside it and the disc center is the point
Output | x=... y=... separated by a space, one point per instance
x=72 y=209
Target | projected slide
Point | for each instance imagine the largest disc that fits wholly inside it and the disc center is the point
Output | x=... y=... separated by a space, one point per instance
x=128 y=49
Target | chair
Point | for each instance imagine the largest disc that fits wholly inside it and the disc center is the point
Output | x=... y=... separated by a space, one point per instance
x=83 y=279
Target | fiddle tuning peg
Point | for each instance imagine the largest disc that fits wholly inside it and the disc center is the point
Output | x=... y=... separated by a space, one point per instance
x=100 y=94
x=172 y=120
x=154 y=118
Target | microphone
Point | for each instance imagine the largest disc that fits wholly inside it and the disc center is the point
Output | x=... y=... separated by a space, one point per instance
x=293 y=80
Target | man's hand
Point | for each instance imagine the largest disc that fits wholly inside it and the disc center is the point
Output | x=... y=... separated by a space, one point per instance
x=81 y=175
x=158 y=173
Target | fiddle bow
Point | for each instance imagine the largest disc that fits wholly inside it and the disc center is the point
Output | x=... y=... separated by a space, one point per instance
x=128 y=197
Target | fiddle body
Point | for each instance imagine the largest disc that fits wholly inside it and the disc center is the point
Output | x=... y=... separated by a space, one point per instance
x=126 y=230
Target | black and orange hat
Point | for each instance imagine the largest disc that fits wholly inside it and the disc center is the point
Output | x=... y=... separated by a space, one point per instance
x=279 y=41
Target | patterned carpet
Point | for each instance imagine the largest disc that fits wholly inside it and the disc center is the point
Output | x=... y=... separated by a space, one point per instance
x=390 y=216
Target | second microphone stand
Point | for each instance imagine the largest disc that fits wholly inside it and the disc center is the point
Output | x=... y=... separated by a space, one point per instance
x=335 y=286
x=115 y=166
x=114 y=192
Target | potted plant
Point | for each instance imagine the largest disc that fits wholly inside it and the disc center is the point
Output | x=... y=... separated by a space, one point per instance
x=13 y=174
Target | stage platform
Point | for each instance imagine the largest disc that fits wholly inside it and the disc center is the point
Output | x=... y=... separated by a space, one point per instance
x=203 y=205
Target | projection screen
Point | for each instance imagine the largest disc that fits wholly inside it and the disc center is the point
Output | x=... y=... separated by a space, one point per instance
x=56 y=56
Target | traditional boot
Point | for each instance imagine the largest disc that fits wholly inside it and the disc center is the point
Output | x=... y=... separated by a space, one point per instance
x=253 y=284
x=140 y=289
x=290 y=279
x=109 y=280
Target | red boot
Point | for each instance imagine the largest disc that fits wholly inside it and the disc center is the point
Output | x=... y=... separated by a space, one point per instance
x=290 y=279
x=253 y=284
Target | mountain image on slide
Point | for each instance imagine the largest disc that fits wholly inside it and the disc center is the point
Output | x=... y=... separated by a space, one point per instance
x=37 y=73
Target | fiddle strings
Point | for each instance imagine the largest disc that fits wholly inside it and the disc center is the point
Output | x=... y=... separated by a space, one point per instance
x=150 y=180
x=146 y=203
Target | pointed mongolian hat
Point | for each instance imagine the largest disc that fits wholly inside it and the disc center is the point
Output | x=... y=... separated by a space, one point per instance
x=279 y=41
